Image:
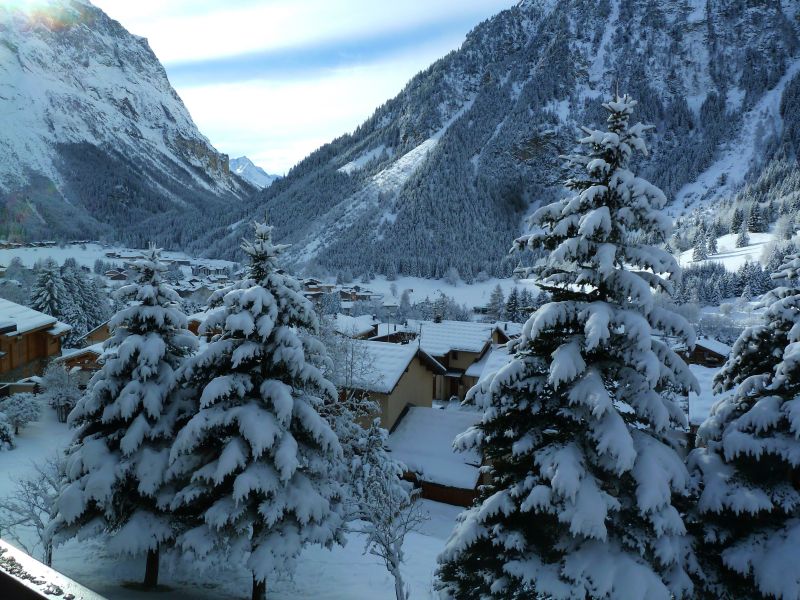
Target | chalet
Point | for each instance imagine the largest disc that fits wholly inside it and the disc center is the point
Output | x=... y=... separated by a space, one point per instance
x=96 y=336
x=204 y=270
x=454 y=344
x=400 y=375
x=116 y=275
x=28 y=339
x=423 y=441
x=83 y=362
x=505 y=330
x=361 y=327
x=707 y=352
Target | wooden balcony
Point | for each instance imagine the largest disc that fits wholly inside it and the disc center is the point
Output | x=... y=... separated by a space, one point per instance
x=25 y=578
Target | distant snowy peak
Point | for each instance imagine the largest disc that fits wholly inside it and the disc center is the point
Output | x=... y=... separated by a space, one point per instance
x=80 y=96
x=247 y=170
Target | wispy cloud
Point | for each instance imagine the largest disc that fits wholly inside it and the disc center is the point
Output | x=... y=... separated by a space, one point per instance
x=274 y=79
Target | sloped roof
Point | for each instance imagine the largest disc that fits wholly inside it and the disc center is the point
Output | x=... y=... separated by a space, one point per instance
x=387 y=363
x=423 y=441
x=496 y=358
x=714 y=346
x=353 y=326
x=437 y=339
x=26 y=319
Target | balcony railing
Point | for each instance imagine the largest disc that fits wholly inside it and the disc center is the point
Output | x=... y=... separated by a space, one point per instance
x=25 y=578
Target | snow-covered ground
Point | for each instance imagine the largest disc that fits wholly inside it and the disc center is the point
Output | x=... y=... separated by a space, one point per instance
x=700 y=405
x=86 y=254
x=474 y=294
x=729 y=255
x=338 y=574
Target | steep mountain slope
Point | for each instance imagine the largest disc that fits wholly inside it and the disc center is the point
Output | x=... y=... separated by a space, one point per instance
x=93 y=139
x=443 y=174
x=253 y=174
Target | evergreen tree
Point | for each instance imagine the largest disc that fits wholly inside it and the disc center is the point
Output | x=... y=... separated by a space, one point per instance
x=511 y=310
x=756 y=223
x=496 y=305
x=48 y=292
x=580 y=429
x=747 y=512
x=125 y=423
x=737 y=220
x=699 y=253
x=742 y=239
x=711 y=241
x=256 y=460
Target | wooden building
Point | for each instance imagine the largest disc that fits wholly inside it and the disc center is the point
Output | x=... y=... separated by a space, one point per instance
x=83 y=362
x=707 y=352
x=28 y=339
x=400 y=375
x=423 y=441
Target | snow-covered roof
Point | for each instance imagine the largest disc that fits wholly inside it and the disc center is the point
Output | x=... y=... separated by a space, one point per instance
x=509 y=328
x=714 y=346
x=26 y=319
x=353 y=326
x=423 y=441
x=387 y=364
x=437 y=339
x=96 y=349
x=496 y=358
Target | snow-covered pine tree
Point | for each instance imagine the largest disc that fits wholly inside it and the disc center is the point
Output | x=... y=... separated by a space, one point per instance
x=511 y=310
x=743 y=239
x=256 y=459
x=48 y=292
x=580 y=428
x=711 y=240
x=497 y=301
x=699 y=253
x=747 y=514
x=116 y=465
x=736 y=220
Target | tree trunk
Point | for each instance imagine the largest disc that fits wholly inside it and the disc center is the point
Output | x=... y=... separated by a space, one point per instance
x=399 y=588
x=259 y=589
x=151 y=568
x=48 y=554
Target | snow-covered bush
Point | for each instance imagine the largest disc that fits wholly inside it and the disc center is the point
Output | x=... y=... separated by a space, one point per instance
x=255 y=462
x=126 y=420
x=747 y=512
x=60 y=389
x=580 y=429
x=21 y=409
x=6 y=433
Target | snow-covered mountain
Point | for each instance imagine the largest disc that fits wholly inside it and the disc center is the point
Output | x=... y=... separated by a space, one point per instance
x=443 y=174
x=247 y=170
x=94 y=141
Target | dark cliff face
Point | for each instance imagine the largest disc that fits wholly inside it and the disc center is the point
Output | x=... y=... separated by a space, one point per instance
x=443 y=174
x=92 y=133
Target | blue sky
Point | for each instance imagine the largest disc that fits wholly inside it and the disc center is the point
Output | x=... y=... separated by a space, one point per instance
x=275 y=79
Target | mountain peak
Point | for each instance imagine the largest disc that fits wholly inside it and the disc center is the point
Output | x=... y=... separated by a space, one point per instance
x=250 y=172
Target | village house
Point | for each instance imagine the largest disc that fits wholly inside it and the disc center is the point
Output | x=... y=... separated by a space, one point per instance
x=82 y=362
x=96 y=336
x=28 y=339
x=454 y=344
x=359 y=328
x=423 y=441
x=707 y=352
x=398 y=376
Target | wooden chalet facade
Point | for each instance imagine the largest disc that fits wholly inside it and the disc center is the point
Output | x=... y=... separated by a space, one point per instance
x=28 y=340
